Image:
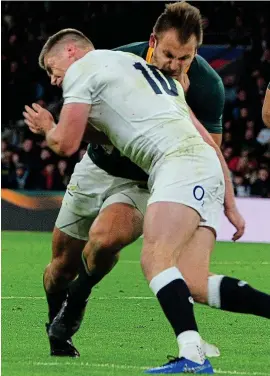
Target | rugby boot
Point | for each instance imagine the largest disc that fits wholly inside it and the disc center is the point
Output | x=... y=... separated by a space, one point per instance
x=61 y=348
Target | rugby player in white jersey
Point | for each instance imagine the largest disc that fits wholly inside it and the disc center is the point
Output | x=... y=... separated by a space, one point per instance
x=121 y=202
x=186 y=182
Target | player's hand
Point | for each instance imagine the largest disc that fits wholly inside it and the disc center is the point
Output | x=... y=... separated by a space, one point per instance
x=184 y=81
x=38 y=119
x=237 y=221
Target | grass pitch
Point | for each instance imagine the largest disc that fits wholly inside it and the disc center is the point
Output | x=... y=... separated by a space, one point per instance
x=124 y=330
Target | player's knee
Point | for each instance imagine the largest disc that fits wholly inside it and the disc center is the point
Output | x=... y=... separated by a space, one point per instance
x=104 y=241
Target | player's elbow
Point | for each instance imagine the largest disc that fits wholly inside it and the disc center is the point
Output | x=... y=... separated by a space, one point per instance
x=66 y=149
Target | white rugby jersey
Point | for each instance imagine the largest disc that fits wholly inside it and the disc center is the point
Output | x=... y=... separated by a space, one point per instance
x=133 y=103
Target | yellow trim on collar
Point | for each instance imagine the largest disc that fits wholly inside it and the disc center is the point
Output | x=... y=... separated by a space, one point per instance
x=149 y=55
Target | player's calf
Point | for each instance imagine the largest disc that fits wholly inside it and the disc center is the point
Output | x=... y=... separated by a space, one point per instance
x=66 y=256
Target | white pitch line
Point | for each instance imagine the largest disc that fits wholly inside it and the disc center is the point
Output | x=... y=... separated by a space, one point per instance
x=212 y=263
x=220 y=371
x=98 y=298
x=123 y=366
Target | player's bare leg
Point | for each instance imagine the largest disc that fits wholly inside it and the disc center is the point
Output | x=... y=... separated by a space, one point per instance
x=168 y=227
x=63 y=268
x=116 y=226
x=194 y=260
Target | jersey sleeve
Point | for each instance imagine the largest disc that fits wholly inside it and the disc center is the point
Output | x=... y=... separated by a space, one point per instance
x=76 y=84
x=211 y=118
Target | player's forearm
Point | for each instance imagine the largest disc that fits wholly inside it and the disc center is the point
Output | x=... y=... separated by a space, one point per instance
x=65 y=138
x=229 y=202
x=57 y=143
x=217 y=137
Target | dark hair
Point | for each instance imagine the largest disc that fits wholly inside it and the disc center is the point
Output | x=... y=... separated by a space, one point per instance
x=184 y=18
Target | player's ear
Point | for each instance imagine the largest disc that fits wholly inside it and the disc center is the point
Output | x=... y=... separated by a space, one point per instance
x=70 y=48
x=152 y=41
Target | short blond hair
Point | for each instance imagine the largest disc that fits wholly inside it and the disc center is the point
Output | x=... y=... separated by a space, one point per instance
x=61 y=37
x=184 y=18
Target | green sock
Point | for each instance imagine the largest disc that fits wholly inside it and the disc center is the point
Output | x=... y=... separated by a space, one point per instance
x=80 y=289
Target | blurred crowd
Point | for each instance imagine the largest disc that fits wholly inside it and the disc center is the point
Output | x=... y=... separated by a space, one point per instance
x=27 y=162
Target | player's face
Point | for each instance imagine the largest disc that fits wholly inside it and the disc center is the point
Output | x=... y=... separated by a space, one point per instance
x=56 y=67
x=170 y=55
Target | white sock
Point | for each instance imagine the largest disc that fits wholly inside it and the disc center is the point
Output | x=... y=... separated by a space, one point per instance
x=164 y=278
x=214 y=282
x=190 y=346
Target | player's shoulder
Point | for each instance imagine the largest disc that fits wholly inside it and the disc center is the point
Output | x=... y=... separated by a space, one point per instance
x=84 y=67
x=91 y=61
x=110 y=55
x=200 y=67
x=137 y=48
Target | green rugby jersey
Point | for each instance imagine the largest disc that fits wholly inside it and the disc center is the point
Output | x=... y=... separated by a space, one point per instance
x=205 y=97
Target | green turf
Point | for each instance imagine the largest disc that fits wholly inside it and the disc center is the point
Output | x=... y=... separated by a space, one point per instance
x=121 y=336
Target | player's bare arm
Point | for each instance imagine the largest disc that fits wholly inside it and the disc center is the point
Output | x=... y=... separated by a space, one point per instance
x=66 y=137
x=230 y=208
x=39 y=119
x=266 y=108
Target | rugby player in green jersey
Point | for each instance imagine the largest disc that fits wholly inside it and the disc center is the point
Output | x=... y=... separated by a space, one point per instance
x=121 y=202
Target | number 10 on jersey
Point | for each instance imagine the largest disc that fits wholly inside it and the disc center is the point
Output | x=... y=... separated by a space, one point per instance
x=170 y=89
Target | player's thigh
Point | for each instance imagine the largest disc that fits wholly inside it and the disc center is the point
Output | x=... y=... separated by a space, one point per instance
x=168 y=226
x=193 y=261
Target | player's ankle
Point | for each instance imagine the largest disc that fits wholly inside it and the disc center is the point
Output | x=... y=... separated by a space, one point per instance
x=189 y=343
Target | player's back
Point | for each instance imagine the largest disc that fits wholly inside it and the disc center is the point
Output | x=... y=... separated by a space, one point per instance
x=143 y=112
